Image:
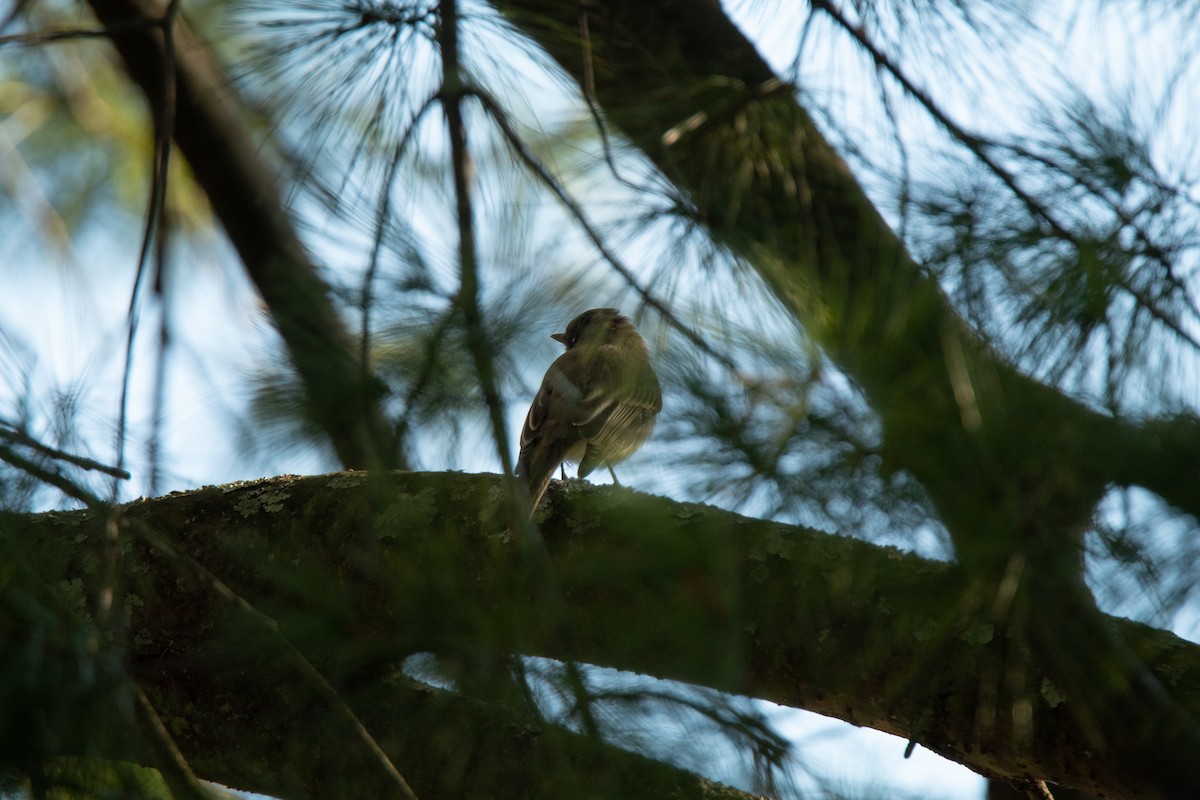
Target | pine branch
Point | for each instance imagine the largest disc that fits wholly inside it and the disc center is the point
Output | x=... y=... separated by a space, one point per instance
x=421 y=563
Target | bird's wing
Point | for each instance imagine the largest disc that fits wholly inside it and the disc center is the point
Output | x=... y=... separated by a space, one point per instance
x=620 y=408
x=557 y=393
x=548 y=436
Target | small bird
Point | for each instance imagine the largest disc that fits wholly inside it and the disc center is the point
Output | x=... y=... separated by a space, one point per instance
x=597 y=403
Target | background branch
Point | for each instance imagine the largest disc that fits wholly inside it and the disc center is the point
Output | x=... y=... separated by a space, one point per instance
x=212 y=134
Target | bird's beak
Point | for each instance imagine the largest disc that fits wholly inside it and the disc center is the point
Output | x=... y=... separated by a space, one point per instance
x=561 y=338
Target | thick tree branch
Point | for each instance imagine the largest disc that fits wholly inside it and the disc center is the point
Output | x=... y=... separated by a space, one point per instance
x=361 y=574
x=213 y=136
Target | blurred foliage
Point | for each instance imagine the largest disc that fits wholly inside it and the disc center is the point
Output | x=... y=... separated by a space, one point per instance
x=76 y=139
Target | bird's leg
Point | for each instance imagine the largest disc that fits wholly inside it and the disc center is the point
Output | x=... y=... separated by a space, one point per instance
x=614 y=475
x=562 y=470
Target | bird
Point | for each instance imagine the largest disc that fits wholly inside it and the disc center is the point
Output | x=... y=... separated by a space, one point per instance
x=597 y=403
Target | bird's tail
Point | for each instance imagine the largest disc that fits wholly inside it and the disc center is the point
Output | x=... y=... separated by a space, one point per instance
x=534 y=470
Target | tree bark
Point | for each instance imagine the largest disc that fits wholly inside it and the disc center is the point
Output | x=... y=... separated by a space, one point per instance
x=361 y=573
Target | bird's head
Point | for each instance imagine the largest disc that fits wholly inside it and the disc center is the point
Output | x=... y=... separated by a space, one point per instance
x=593 y=328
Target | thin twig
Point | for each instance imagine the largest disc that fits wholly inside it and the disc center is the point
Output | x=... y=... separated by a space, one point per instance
x=418 y=386
x=468 y=294
x=173 y=765
x=164 y=124
x=589 y=98
x=52 y=477
x=381 y=217
x=17 y=437
x=1035 y=790
x=32 y=38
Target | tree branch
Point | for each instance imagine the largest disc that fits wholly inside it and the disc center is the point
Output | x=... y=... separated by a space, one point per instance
x=368 y=572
